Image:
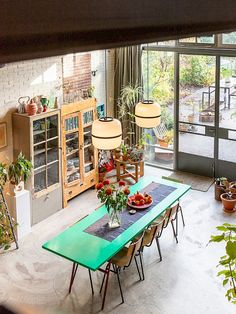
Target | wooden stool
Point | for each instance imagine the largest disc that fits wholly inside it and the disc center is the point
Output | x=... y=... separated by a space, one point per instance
x=138 y=169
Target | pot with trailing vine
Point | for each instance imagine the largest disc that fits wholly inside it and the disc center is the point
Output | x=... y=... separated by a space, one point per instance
x=229 y=202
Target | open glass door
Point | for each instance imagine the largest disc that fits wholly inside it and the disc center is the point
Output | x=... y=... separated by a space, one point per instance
x=226 y=163
x=196 y=115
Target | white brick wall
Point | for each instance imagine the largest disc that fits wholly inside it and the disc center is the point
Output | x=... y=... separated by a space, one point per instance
x=26 y=78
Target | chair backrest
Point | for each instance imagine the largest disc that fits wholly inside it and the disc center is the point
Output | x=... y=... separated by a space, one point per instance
x=170 y=213
x=135 y=246
x=154 y=229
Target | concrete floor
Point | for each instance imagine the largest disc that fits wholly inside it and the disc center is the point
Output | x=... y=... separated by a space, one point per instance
x=184 y=282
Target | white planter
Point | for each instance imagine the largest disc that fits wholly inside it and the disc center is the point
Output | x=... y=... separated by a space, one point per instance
x=14 y=189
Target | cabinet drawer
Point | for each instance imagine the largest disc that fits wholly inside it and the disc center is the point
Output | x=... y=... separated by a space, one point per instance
x=46 y=205
x=74 y=190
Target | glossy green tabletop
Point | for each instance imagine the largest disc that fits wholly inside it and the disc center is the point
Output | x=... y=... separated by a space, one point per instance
x=91 y=251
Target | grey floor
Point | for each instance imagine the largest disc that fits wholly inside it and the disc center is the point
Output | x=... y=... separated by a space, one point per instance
x=185 y=282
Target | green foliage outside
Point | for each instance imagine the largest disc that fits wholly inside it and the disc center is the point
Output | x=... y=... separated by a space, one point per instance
x=197 y=71
x=228 y=260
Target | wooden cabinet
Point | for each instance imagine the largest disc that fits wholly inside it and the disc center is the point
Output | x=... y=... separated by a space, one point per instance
x=79 y=158
x=38 y=137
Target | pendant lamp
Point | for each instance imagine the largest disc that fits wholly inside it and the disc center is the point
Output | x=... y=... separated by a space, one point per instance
x=147 y=114
x=106 y=133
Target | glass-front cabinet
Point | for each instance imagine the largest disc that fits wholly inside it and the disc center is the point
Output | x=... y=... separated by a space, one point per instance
x=38 y=137
x=45 y=152
x=79 y=158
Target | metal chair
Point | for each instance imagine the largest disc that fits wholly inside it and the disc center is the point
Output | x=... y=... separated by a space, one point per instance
x=122 y=259
x=171 y=214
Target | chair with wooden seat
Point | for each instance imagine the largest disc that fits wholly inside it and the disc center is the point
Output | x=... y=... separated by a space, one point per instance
x=153 y=232
x=171 y=214
x=123 y=259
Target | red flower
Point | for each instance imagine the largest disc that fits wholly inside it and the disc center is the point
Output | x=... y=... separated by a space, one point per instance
x=108 y=191
x=106 y=182
x=99 y=186
x=121 y=183
x=126 y=191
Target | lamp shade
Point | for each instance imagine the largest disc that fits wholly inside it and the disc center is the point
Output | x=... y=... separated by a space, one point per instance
x=106 y=133
x=147 y=114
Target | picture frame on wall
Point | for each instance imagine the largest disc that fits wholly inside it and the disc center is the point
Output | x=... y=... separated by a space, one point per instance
x=3 y=134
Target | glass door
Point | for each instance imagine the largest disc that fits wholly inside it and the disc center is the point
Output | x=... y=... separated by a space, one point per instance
x=72 y=149
x=88 y=149
x=45 y=153
x=226 y=163
x=196 y=114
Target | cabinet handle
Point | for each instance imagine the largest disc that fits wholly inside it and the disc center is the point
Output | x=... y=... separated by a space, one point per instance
x=81 y=184
x=81 y=146
x=70 y=192
x=92 y=180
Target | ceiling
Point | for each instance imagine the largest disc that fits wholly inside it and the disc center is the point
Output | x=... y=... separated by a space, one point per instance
x=33 y=29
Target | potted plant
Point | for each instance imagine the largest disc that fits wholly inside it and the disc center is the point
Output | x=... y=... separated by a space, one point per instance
x=102 y=172
x=115 y=199
x=228 y=261
x=232 y=187
x=136 y=154
x=221 y=184
x=124 y=150
x=229 y=201
x=117 y=153
x=3 y=175
x=18 y=173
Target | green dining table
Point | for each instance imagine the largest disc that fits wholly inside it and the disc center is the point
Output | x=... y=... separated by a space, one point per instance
x=90 y=251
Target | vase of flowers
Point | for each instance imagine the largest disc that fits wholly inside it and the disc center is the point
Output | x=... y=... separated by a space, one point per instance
x=115 y=198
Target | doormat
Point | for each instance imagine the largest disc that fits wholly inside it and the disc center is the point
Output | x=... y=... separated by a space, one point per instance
x=198 y=183
x=100 y=228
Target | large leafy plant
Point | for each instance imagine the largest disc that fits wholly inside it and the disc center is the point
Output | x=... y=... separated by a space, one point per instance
x=19 y=170
x=228 y=261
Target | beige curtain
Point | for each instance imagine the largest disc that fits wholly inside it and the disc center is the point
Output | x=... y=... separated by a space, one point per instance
x=128 y=71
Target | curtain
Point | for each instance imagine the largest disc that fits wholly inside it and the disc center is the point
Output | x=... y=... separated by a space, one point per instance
x=128 y=71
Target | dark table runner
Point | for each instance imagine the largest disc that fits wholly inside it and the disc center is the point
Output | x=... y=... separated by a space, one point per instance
x=101 y=229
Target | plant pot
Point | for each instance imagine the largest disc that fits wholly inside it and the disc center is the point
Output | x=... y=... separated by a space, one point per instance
x=114 y=218
x=14 y=189
x=228 y=204
x=101 y=176
x=117 y=154
x=125 y=157
x=163 y=143
x=219 y=189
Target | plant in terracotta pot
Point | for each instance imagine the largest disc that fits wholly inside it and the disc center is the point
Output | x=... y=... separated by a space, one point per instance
x=125 y=155
x=101 y=172
x=229 y=201
x=18 y=173
x=221 y=184
x=136 y=154
x=232 y=187
x=228 y=261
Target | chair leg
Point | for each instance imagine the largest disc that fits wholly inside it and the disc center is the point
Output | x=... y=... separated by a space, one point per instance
x=91 y=281
x=159 y=248
x=176 y=224
x=118 y=279
x=141 y=263
x=73 y=273
x=136 y=263
x=172 y=224
x=182 y=216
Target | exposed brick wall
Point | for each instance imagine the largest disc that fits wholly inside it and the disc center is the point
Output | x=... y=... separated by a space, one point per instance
x=77 y=71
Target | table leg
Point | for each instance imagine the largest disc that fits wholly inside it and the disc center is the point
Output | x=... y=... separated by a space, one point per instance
x=136 y=172
x=141 y=168
x=107 y=271
x=118 y=171
x=73 y=273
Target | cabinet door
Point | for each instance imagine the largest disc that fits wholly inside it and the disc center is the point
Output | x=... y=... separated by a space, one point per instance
x=39 y=154
x=52 y=150
x=87 y=117
x=71 y=149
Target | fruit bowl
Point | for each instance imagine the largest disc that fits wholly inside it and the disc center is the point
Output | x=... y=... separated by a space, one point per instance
x=140 y=201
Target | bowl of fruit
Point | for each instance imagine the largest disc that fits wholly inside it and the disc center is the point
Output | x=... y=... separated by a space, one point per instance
x=140 y=201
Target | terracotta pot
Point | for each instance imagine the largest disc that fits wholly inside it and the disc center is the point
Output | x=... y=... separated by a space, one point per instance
x=13 y=188
x=219 y=189
x=32 y=108
x=163 y=143
x=228 y=204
